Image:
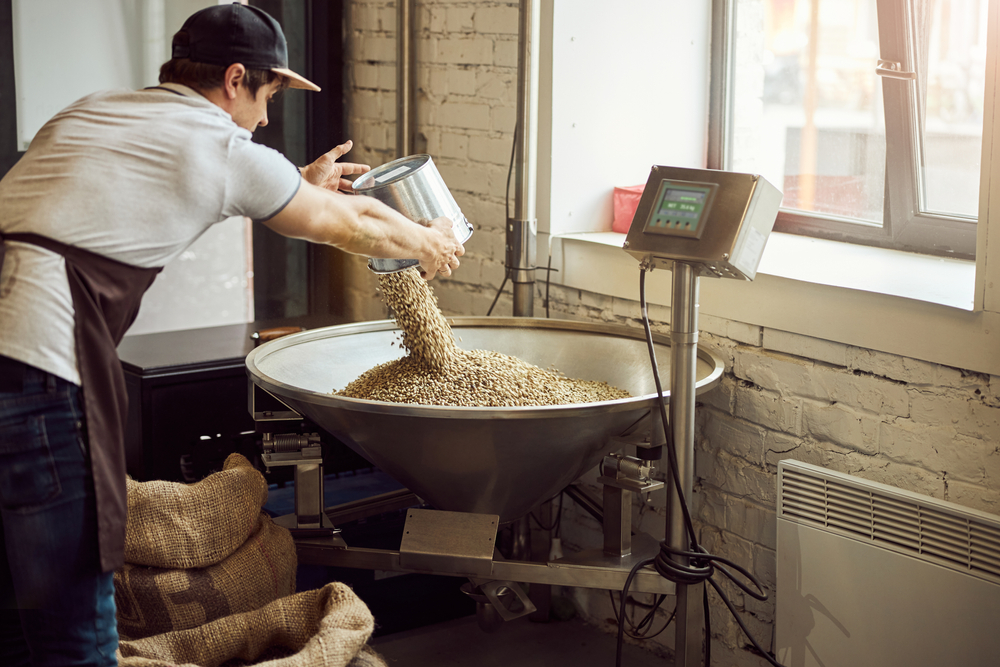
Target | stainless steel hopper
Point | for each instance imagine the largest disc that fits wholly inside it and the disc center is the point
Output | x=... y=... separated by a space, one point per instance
x=501 y=461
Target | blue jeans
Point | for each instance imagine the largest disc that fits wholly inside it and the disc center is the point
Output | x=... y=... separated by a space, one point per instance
x=55 y=603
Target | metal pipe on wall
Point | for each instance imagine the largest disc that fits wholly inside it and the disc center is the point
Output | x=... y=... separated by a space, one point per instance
x=720 y=96
x=522 y=228
x=405 y=74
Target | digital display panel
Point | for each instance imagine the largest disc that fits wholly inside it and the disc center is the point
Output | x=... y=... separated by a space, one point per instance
x=680 y=209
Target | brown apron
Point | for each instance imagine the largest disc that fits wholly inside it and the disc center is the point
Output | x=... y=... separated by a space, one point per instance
x=106 y=297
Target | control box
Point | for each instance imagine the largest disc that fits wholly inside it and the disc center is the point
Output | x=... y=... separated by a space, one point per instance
x=716 y=221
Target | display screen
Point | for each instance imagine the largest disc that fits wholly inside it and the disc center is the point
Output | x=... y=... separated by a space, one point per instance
x=680 y=209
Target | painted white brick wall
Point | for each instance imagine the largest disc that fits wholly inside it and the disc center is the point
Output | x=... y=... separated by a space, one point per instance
x=918 y=426
x=466 y=72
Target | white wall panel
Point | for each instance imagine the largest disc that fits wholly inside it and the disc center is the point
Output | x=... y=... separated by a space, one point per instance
x=629 y=90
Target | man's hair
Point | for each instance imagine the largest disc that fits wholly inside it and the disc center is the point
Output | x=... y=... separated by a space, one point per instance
x=201 y=76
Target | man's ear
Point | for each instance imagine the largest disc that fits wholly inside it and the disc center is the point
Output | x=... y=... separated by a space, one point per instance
x=233 y=79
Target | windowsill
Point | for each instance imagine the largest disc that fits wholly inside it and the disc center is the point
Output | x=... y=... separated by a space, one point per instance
x=890 y=301
x=940 y=280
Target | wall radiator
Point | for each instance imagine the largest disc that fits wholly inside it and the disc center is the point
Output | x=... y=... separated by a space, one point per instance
x=868 y=574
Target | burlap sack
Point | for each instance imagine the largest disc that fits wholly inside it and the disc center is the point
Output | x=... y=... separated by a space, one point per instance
x=326 y=627
x=173 y=525
x=154 y=600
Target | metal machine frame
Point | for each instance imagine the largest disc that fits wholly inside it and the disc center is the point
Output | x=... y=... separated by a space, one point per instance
x=459 y=543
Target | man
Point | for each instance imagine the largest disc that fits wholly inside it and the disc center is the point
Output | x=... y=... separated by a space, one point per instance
x=110 y=190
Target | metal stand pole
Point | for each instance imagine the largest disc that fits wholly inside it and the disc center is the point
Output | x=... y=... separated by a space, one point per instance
x=683 y=360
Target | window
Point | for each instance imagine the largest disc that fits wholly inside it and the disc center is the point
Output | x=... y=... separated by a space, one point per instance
x=867 y=114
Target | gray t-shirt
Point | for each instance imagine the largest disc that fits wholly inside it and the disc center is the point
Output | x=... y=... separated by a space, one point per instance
x=136 y=176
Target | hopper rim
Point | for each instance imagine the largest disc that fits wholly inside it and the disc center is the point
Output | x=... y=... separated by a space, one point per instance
x=280 y=389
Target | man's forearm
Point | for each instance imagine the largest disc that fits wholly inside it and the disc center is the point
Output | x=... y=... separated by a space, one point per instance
x=384 y=233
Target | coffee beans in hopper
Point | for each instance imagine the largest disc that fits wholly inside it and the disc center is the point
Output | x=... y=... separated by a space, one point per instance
x=438 y=372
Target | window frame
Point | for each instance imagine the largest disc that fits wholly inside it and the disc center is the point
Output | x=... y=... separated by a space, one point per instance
x=905 y=227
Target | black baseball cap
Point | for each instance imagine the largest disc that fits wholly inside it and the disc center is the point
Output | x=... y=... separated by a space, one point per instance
x=227 y=34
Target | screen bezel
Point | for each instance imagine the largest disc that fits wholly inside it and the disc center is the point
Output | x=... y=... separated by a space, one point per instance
x=709 y=189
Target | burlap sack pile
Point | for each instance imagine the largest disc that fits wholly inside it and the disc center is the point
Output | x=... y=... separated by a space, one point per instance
x=326 y=627
x=198 y=552
x=180 y=526
x=210 y=579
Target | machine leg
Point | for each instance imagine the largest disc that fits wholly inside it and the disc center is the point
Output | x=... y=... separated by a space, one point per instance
x=690 y=625
x=521 y=535
x=541 y=594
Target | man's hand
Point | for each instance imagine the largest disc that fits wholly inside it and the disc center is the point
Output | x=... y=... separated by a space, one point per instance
x=444 y=252
x=365 y=226
x=327 y=173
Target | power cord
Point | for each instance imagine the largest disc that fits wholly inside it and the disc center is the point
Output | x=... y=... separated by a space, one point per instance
x=506 y=276
x=641 y=629
x=548 y=272
x=554 y=528
x=506 y=208
x=701 y=565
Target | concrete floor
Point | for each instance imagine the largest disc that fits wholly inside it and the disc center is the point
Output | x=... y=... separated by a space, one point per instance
x=460 y=643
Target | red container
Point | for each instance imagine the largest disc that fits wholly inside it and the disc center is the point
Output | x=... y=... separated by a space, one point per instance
x=625 y=201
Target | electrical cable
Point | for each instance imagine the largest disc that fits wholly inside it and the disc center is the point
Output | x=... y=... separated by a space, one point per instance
x=506 y=206
x=499 y=292
x=549 y=271
x=646 y=621
x=555 y=522
x=507 y=269
x=621 y=614
x=548 y=280
x=504 y=283
x=510 y=171
x=701 y=565
x=586 y=503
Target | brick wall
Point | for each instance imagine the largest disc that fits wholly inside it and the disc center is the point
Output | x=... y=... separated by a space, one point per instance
x=465 y=109
x=918 y=426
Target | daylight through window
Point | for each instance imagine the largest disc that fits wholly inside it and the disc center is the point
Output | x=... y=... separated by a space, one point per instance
x=888 y=157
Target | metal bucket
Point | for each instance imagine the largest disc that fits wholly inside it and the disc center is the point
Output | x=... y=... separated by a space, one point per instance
x=412 y=186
